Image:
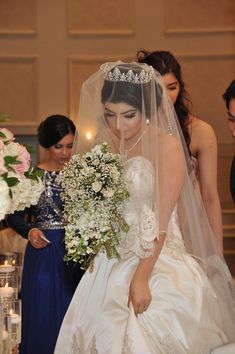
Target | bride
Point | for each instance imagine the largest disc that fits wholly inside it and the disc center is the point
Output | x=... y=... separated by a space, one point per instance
x=171 y=291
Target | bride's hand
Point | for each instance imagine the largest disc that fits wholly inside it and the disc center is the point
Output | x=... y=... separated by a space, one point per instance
x=139 y=295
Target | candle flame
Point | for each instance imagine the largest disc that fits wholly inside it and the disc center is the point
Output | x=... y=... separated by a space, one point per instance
x=6 y=286
x=11 y=311
x=6 y=262
x=14 y=261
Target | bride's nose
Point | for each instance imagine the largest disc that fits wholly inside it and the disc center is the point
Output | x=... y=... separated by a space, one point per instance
x=119 y=123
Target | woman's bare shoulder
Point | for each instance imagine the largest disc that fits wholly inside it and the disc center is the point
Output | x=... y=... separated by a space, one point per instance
x=170 y=145
x=199 y=126
x=201 y=135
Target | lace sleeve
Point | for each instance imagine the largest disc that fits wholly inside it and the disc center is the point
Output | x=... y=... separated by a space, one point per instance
x=140 y=238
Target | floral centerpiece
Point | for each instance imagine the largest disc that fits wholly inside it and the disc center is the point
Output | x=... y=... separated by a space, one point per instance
x=94 y=193
x=20 y=182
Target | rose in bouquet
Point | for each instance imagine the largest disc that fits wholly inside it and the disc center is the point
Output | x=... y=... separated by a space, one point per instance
x=94 y=195
x=20 y=182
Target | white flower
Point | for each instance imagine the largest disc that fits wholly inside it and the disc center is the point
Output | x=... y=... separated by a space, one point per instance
x=23 y=184
x=94 y=220
x=97 y=149
x=8 y=134
x=104 y=228
x=96 y=186
x=4 y=199
x=11 y=149
x=96 y=162
x=109 y=192
x=114 y=172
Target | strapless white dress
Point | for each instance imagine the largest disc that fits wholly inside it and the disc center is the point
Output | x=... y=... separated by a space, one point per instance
x=183 y=316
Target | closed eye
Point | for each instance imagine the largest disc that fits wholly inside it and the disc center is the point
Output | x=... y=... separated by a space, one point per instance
x=109 y=115
x=132 y=115
x=172 y=88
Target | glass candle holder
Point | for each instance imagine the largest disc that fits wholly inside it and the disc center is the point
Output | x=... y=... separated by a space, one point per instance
x=17 y=259
x=6 y=346
x=14 y=323
x=6 y=267
x=8 y=286
x=11 y=258
x=7 y=258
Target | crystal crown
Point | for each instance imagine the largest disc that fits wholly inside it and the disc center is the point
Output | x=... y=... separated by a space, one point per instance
x=142 y=77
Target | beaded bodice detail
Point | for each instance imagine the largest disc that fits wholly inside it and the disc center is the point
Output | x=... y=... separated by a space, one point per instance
x=139 y=214
x=48 y=211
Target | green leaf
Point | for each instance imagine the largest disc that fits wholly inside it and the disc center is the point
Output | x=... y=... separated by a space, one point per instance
x=12 y=181
x=11 y=160
x=2 y=135
x=34 y=173
x=29 y=148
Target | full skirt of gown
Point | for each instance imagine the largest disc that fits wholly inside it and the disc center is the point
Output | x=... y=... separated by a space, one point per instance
x=100 y=321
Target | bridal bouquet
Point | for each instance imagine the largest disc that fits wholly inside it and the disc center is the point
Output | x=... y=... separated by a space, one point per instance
x=20 y=185
x=94 y=193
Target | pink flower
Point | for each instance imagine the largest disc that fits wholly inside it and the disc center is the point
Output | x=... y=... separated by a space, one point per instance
x=24 y=158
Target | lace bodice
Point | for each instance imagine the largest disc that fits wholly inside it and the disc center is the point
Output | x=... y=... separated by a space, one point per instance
x=48 y=211
x=139 y=214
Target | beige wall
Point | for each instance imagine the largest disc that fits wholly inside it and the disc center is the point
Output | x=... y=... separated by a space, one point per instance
x=48 y=47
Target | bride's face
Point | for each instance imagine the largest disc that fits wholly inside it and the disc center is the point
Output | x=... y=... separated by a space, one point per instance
x=123 y=118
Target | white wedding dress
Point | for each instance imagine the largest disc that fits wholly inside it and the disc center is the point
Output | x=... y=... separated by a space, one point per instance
x=183 y=316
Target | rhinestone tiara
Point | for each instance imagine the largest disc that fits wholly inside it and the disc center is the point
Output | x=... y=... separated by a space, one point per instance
x=143 y=77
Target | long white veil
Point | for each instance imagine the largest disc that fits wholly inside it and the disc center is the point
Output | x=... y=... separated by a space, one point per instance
x=160 y=141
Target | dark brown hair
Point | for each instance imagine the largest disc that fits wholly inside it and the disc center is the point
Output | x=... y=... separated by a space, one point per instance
x=53 y=129
x=229 y=93
x=127 y=92
x=164 y=62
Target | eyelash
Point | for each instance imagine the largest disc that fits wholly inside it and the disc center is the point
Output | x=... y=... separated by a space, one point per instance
x=60 y=146
x=110 y=115
x=130 y=116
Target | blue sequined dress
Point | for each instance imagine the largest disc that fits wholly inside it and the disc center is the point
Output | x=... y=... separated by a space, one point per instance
x=48 y=283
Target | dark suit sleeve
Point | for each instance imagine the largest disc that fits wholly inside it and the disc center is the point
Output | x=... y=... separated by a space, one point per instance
x=232 y=180
x=17 y=221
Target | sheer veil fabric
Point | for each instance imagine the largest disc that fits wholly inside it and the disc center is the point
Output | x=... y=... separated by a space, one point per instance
x=160 y=145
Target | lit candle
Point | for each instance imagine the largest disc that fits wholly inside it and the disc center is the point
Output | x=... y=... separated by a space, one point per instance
x=6 y=292
x=6 y=268
x=15 y=321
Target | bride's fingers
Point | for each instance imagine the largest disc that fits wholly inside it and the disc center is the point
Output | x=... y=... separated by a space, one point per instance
x=139 y=308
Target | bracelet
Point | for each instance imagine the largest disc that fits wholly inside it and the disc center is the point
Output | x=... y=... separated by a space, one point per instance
x=34 y=228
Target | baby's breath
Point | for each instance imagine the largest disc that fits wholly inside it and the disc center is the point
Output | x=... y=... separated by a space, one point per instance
x=94 y=194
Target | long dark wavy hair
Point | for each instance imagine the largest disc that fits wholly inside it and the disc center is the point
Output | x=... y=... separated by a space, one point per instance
x=164 y=62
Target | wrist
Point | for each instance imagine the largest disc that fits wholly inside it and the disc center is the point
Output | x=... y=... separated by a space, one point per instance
x=140 y=276
x=30 y=232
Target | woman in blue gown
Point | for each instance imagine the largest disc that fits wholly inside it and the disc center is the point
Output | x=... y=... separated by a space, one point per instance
x=48 y=283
